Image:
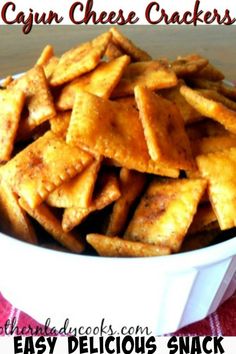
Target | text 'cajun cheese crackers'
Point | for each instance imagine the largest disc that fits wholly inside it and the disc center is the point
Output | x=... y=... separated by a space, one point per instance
x=107 y=151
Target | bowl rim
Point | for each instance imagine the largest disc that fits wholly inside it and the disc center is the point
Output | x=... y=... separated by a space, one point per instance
x=184 y=261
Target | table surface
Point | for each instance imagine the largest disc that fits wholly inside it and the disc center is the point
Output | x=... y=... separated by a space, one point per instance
x=18 y=52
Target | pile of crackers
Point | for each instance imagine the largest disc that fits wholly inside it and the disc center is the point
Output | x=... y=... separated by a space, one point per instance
x=108 y=149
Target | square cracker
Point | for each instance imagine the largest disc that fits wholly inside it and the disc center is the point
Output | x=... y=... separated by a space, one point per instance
x=166 y=212
x=186 y=66
x=205 y=128
x=11 y=103
x=113 y=52
x=101 y=82
x=45 y=217
x=117 y=247
x=152 y=166
x=78 y=191
x=112 y=129
x=39 y=102
x=216 y=96
x=200 y=83
x=209 y=72
x=210 y=108
x=152 y=74
x=219 y=169
x=131 y=185
x=128 y=47
x=106 y=192
x=202 y=239
x=164 y=131
x=50 y=66
x=48 y=61
x=46 y=55
x=14 y=220
x=80 y=60
x=189 y=114
x=203 y=146
x=43 y=166
x=204 y=219
x=228 y=91
x=60 y=123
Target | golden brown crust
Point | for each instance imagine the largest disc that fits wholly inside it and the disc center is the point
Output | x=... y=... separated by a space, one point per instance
x=118 y=247
x=100 y=82
x=36 y=171
x=80 y=60
x=154 y=75
x=167 y=141
x=166 y=212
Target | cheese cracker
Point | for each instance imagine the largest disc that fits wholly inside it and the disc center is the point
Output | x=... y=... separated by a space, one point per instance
x=14 y=220
x=117 y=247
x=80 y=60
x=43 y=166
x=113 y=52
x=131 y=184
x=60 y=123
x=219 y=169
x=209 y=72
x=106 y=192
x=128 y=47
x=216 y=96
x=101 y=82
x=39 y=102
x=166 y=212
x=206 y=145
x=164 y=130
x=210 y=108
x=228 y=91
x=184 y=66
x=113 y=130
x=152 y=74
x=11 y=105
x=205 y=128
x=44 y=216
x=46 y=55
x=204 y=219
x=78 y=191
x=188 y=113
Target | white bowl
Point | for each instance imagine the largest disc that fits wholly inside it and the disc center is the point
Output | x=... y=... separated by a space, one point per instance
x=164 y=293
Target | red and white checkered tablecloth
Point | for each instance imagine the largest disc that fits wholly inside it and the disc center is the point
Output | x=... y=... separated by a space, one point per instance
x=221 y=322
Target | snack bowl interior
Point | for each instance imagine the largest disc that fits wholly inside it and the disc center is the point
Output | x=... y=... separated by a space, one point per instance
x=162 y=293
